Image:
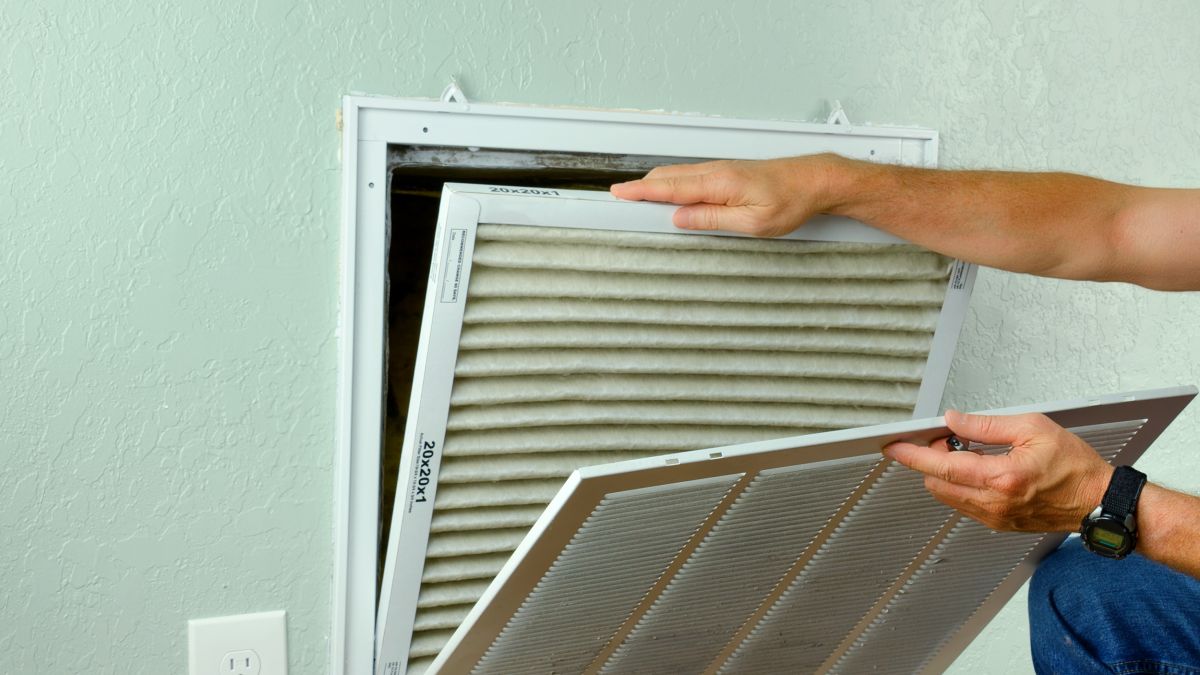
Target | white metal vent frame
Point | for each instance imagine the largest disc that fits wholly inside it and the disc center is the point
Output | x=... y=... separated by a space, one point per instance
x=369 y=124
x=463 y=208
x=1153 y=409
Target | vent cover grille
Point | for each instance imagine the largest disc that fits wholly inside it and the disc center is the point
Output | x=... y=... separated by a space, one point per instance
x=604 y=571
x=964 y=568
x=582 y=347
x=865 y=553
x=842 y=566
x=739 y=562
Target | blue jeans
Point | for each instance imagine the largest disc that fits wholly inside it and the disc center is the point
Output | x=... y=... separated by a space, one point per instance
x=1088 y=614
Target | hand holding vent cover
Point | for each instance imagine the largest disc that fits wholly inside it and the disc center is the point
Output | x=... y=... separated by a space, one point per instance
x=1047 y=481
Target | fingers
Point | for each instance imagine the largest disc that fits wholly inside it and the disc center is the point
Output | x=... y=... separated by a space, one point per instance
x=993 y=429
x=971 y=502
x=677 y=189
x=714 y=217
x=963 y=468
x=632 y=190
x=700 y=217
x=961 y=497
x=685 y=169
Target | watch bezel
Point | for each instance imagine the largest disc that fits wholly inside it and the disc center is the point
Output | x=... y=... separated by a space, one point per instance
x=1126 y=526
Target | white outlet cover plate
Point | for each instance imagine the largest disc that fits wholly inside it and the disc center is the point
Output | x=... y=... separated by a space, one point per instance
x=264 y=633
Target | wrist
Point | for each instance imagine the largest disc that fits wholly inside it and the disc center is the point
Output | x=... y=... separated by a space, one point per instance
x=1156 y=541
x=1092 y=489
x=849 y=183
x=1111 y=531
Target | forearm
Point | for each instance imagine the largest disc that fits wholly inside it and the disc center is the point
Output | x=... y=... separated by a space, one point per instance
x=1050 y=224
x=1169 y=528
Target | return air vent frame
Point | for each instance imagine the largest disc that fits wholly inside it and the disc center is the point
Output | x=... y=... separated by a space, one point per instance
x=464 y=207
x=511 y=600
x=372 y=128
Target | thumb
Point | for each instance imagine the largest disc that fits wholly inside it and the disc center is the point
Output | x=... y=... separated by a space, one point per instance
x=990 y=429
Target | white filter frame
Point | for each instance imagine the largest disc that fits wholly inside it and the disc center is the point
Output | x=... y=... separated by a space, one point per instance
x=587 y=486
x=463 y=208
x=369 y=126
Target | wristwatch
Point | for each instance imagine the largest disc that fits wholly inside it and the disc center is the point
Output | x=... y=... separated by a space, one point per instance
x=1111 y=530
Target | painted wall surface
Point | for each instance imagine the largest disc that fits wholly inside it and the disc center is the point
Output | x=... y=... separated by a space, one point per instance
x=169 y=240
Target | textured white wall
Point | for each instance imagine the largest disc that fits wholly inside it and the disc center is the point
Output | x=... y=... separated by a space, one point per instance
x=168 y=245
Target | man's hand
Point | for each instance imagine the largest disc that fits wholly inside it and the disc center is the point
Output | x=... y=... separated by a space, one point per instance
x=766 y=198
x=1048 y=483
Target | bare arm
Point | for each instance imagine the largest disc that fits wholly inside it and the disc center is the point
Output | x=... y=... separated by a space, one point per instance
x=1048 y=482
x=1050 y=224
x=1168 y=530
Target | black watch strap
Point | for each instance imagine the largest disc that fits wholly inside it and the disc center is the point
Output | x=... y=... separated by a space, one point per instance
x=1121 y=498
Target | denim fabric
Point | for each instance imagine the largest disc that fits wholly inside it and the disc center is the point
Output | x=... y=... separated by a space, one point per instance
x=1088 y=614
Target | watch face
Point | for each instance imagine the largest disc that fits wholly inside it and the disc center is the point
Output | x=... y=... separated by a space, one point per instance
x=1108 y=537
x=1102 y=536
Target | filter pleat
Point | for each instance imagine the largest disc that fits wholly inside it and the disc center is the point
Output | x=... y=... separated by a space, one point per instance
x=750 y=339
x=501 y=310
x=571 y=413
x=653 y=439
x=489 y=494
x=458 y=520
x=595 y=257
x=647 y=240
x=463 y=567
x=491 y=282
x=651 y=361
x=519 y=389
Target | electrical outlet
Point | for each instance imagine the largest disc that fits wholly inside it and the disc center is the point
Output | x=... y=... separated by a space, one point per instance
x=245 y=644
x=241 y=662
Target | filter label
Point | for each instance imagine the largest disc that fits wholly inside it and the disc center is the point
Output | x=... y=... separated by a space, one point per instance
x=452 y=270
x=958 y=275
x=422 y=471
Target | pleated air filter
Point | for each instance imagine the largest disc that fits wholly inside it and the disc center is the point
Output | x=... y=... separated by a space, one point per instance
x=809 y=554
x=566 y=329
